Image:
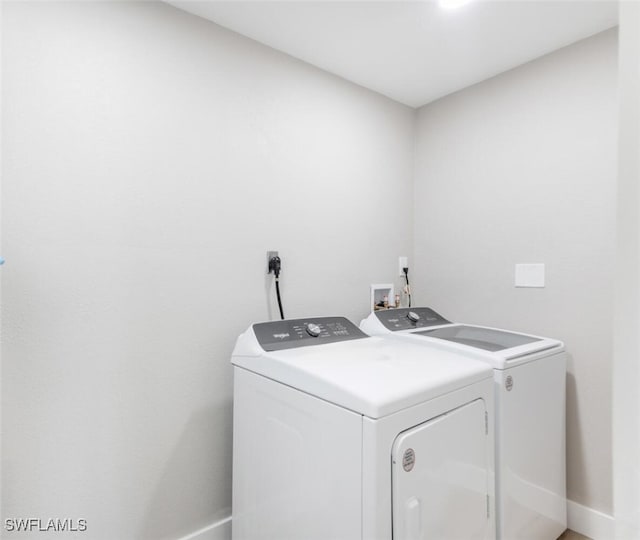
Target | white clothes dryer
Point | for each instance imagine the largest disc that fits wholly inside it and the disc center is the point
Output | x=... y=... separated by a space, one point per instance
x=341 y=436
x=529 y=377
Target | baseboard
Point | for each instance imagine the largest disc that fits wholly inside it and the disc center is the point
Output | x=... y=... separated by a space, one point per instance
x=220 y=530
x=589 y=522
x=581 y=519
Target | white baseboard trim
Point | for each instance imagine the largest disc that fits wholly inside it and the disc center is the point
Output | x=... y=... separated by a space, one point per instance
x=220 y=530
x=581 y=519
x=588 y=522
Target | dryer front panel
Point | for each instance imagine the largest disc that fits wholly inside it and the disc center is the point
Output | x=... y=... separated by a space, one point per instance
x=440 y=477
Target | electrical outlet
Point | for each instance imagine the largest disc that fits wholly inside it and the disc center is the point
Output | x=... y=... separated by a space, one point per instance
x=403 y=262
x=270 y=255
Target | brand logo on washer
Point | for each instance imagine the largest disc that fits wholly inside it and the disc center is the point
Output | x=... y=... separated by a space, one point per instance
x=408 y=459
x=281 y=336
x=508 y=383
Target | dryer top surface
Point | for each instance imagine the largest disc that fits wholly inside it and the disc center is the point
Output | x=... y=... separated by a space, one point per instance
x=371 y=375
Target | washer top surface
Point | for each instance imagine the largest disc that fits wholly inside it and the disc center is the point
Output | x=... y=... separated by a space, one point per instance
x=368 y=375
x=499 y=348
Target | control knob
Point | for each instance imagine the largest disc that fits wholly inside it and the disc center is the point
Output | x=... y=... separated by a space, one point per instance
x=313 y=330
x=413 y=317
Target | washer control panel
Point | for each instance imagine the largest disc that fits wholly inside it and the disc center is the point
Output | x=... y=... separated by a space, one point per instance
x=408 y=318
x=289 y=334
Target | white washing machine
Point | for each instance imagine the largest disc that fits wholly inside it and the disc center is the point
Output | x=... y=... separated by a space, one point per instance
x=529 y=375
x=341 y=436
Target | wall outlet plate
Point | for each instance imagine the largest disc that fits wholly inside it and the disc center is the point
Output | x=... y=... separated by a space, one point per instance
x=529 y=275
x=403 y=262
x=270 y=255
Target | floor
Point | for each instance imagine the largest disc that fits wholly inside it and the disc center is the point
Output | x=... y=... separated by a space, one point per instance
x=570 y=535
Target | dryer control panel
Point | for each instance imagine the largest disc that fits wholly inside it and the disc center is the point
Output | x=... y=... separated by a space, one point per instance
x=409 y=318
x=292 y=333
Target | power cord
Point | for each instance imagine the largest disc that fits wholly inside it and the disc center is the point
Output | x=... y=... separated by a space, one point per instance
x=275 y=265
x=407 y=288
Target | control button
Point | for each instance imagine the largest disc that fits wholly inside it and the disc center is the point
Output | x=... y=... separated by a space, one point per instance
x=313 y=330
x=413 y=316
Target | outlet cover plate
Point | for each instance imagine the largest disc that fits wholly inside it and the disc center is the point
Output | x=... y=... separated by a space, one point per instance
x=403 y=262
x=530 y=275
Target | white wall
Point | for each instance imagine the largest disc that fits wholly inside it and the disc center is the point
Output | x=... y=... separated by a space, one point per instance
x=150 y=161
x=522 y=169
x=626 y=372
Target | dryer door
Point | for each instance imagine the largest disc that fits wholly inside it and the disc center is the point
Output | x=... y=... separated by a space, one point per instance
x=440 y=477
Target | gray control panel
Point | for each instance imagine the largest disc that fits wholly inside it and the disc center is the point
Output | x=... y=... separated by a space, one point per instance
x=409 y=318
x=289 y=334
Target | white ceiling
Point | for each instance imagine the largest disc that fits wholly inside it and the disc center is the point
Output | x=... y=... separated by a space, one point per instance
x=413 y=52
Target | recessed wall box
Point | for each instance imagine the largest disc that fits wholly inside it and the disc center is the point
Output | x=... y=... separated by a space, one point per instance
x=382 y=296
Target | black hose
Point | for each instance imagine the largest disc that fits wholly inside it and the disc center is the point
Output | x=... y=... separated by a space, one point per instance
x=275 y=265
x=278 y=296
x=406 y=277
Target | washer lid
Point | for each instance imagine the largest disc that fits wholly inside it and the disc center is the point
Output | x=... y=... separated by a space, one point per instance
x=486 y=339
x=371 y=376
x=500 y=348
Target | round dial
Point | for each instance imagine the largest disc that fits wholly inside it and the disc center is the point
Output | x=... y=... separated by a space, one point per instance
x=313 y=330
x=413 y=316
